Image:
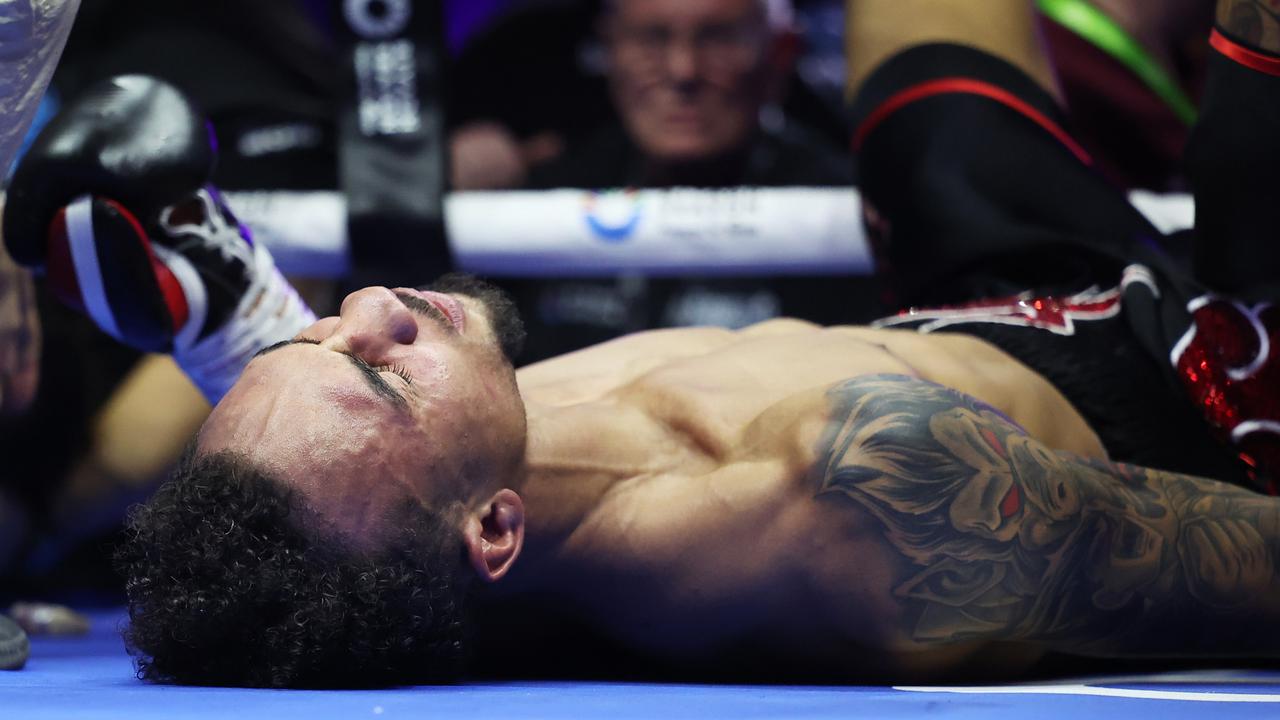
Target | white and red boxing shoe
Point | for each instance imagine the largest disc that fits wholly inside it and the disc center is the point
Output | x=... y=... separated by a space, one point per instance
x=213 y=297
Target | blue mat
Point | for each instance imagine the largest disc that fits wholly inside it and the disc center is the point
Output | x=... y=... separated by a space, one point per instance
x=92 y=677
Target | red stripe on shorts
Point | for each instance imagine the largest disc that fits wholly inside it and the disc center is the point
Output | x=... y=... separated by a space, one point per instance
x=1251 y=59
x=954 y=85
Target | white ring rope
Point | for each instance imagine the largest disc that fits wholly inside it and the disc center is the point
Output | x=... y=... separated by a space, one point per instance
x=743 y=231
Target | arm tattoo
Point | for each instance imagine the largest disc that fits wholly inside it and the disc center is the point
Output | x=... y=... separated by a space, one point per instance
x=1000 y=537
x=1257 y=22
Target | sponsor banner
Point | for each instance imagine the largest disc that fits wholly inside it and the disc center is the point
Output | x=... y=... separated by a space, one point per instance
x=558 y=233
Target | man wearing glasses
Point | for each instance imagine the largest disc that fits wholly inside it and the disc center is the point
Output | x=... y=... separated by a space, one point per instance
x=689 y=81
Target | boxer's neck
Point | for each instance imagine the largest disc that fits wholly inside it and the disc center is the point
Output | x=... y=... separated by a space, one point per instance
x=560 y=491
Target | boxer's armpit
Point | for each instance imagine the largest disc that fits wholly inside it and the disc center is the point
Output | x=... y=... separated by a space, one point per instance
x=1256 y=22
x=996 y=537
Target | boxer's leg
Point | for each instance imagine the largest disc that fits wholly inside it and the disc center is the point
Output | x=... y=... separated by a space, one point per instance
x=1234 y=154
x=876 y=30
x=975 y=188
x=1228 y=359
x=973 y=185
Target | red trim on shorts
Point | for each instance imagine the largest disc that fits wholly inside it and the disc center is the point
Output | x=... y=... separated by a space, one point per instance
x=1252 y=59
x=944 y=86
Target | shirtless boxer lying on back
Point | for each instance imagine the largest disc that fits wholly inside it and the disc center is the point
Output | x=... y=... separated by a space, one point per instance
x=845 y=502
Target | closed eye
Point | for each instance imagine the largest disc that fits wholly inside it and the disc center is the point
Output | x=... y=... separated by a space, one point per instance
x=398 y=370
x=371 y=374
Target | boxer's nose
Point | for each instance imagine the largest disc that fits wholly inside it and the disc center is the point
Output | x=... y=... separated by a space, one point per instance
x=370 y=322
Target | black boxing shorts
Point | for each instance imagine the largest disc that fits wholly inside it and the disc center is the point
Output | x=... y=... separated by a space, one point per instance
x=1085 y=346
x=974 y=188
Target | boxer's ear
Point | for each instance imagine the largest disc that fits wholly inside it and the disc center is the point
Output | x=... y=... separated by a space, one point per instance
x=494 y=534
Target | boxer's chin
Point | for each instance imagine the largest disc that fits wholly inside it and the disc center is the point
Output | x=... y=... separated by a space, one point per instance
x=504 y=318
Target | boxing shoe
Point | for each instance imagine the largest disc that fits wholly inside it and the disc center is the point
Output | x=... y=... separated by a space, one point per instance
x=112 y=203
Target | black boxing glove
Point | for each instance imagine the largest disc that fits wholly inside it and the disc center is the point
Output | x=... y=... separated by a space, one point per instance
x=112 y=203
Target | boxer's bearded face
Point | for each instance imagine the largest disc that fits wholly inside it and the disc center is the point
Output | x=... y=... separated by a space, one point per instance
x=405 y=396
x=688 y=76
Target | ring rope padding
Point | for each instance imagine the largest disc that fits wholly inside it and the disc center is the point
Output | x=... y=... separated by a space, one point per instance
x=1098 y=28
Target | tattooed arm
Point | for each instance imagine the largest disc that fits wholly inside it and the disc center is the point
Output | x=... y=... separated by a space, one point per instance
x=995 y=537
x=1257 y=22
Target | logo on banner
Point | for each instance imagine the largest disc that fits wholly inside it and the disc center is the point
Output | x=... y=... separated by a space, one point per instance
x=386 y=67
x=376 y=19
x=613 y=215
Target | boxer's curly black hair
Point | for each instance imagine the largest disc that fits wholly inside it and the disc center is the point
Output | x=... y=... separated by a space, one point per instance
x=232 y=581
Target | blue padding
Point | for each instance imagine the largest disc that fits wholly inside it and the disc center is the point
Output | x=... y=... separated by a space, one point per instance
x=91 y=677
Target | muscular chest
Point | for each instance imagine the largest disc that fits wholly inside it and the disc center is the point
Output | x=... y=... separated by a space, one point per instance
x=701 y=525
x=718 y=398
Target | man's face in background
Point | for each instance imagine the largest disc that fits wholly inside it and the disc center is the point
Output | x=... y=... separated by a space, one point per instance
x=688 y=77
